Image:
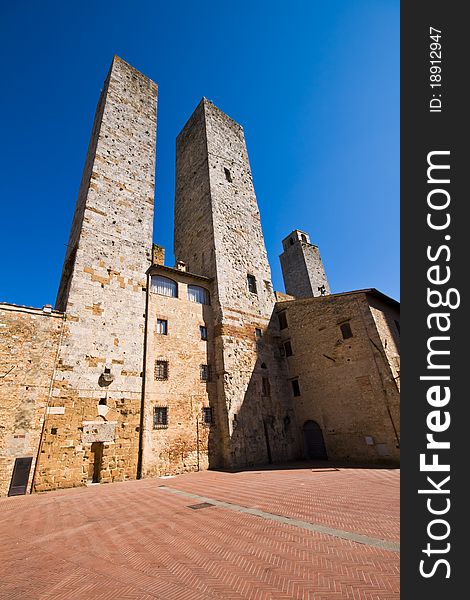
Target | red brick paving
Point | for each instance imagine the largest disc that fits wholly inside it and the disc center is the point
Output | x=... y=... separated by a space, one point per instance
x=135 y=541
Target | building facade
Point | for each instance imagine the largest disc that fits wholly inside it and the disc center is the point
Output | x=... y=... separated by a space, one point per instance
x=145 y=369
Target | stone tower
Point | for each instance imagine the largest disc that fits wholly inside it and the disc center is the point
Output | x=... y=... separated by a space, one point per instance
x=302 y=267
x=218 y=235
x=92 y=423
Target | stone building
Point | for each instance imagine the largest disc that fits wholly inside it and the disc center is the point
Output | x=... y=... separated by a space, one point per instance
x=144 y=369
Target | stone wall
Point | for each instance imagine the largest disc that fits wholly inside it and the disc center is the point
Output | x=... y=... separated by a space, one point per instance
x=187 y=443
x=97 y=390
x=346 y=385
x=29 y=339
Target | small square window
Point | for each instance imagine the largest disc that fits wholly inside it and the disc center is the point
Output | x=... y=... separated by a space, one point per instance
x=295 y=387
x=251 y=280
x=54 y=430
x=266 y=387
x=282 y=320
x=160 y=417
x=288 y=348
x=162 y=326
x=203 y=332
x=204 y=373
x=346 y=331
x=258 y=332
x=161 y=370
x=228 y=175
x=207 y=415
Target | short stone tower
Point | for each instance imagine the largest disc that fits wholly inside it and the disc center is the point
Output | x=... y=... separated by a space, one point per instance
x=302 y=267
x=92 y=424
x=218 y=234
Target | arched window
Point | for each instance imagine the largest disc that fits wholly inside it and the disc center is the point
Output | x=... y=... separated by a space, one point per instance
x=303 y=237
x=164 y=286
x=198 y=294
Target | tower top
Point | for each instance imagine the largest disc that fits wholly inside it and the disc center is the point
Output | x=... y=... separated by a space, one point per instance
x=295 y=236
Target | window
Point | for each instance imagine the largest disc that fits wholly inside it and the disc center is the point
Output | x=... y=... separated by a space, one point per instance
x=266 y=387
x=203 y=332
x=161 y=369
x=258 y=332
x=162 y=326
x=288 y=348
x=207 y=415
x=228 y=175
x=164 y=286
x=303 y=237
x=198 y=294
x=346 y=331
x=252 y=284
x=204 y=372
x=160 y=417
x=282 y=320
x=291 y=241
x=295 y=387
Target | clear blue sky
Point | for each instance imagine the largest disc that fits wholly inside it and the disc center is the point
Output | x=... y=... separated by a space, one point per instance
x=314 y=83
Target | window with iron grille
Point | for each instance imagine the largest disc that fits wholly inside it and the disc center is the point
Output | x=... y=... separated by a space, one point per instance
x=207 y=415
x=160 y=417
x=346 y=331
x=161 y=369
x=266 y=387
x=204 y=372
x=162 y=326
x=282 y=320
x=258 y=332
x=251 y=280
x=203 y=332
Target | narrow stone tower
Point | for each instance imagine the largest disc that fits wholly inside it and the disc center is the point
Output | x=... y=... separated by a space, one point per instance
x=92 y=423
x=302 y=267
x=218 y=234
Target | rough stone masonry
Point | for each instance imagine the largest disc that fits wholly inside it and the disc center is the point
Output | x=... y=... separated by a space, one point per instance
x=145 y=369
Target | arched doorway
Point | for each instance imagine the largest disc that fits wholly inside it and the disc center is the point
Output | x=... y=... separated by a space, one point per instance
x=313 y=441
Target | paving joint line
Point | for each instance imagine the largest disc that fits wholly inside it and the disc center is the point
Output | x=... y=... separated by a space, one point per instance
x=339 y=533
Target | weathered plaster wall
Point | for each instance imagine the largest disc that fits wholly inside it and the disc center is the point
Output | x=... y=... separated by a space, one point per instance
x=29 y=339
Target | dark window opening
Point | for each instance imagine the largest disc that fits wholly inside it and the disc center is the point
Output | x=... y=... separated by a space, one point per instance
x=203 y=332
x=107 y=370
x=160 y=417
x=263 y=366
x=291 y=241
x=228 y=175
x=266 y=387
x=295 y=387
x=102 y=402
x=161 y=370
x=207 y=415
x=288 y=348
x=252 y=284
x=258 y=332
x=303 y=237
x=54 y=430
x=162 y=326
x=282 y=320
x=204 y=372
x=346 y=331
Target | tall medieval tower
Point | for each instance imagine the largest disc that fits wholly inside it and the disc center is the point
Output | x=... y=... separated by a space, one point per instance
x=302 y=267
x=92 y=422
x=218 y=234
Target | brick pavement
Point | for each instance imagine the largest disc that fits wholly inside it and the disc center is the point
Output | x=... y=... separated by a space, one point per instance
x=135 y=540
